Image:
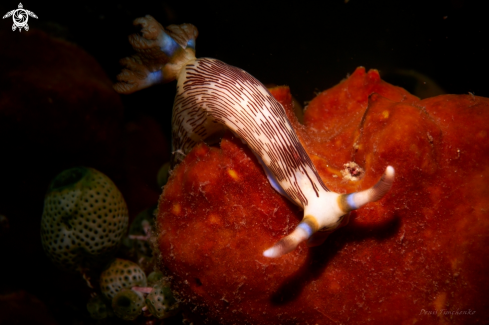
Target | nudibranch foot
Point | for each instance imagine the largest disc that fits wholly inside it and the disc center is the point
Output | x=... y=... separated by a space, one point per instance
x=316 y=228
x=161 y=54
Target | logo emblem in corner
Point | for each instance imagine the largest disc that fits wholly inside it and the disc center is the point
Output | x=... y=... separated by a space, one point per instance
x=20 y=17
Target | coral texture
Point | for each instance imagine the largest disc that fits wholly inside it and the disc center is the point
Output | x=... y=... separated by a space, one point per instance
x=84 y=219
x=414 y=256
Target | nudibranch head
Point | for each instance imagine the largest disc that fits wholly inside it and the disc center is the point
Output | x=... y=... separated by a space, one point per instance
x=330 y=213
x=212 y=96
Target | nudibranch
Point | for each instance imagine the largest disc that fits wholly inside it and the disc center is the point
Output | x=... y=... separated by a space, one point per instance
x=212 y=96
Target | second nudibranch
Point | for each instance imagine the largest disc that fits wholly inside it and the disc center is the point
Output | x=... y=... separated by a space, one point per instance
x=212 y=95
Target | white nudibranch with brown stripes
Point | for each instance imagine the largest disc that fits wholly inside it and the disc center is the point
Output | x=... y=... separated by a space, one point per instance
x=212 y=96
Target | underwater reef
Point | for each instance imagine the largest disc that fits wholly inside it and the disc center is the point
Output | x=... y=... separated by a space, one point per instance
x=105 y=220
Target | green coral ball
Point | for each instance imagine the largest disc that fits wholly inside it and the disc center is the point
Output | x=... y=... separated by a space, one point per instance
x=128 y=304
x=84 y=218
x=154 y=277
x=97 y=308
x=160 y=301
x=119 y=275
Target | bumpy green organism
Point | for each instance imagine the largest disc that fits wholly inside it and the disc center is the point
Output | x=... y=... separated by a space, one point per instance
x=84 y=218
x=160 y=301
x=119 y=275
x=128 y=304
x=154 y=277
x=97 y=308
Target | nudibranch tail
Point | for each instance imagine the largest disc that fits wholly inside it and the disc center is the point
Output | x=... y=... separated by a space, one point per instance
x=161 y=54
x=331 y=218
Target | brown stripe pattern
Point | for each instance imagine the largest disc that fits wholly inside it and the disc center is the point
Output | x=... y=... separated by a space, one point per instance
x=212 y=94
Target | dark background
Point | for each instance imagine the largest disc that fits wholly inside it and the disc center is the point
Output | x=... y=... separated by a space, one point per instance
x=308 y=46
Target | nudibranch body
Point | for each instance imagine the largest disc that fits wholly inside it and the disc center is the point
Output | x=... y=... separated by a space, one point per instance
x=212 y=96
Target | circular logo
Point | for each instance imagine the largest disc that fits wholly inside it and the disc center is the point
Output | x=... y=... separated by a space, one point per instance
x=20 y=18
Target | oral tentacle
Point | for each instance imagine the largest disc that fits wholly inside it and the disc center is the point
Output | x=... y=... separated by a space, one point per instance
x=353 y=201
x=290 y=242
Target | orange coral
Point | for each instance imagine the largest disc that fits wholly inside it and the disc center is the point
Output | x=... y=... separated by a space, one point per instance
x=415 y=256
